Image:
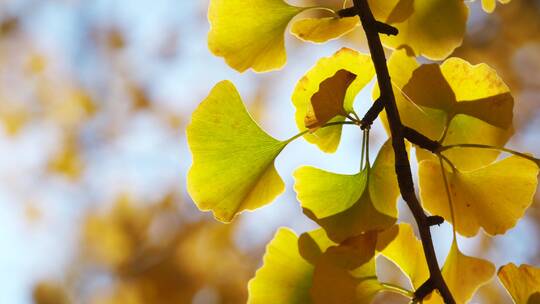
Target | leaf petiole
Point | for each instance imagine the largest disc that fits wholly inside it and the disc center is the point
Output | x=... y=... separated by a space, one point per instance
x=479 y=146
x=334 y=123
x=397 y=289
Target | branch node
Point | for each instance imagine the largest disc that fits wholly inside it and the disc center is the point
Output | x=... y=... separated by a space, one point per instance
x=386 y=29
x=347 y=12
x=372 y=113
x=435 y=220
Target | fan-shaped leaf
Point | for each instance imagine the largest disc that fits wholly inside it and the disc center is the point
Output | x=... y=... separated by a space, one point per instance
x=463 y=275
x=327 y=139
x=392 y=11
x=233 y=158
x=433 y=29
x=346 y=273
x=494 y=197
x=286 y=276
x=250 y=34
x=323 y=29
x=348 y=205
x=400 y=245
x=523 y=283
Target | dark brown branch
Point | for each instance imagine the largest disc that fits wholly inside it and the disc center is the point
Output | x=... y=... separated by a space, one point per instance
x=372 y=113
x=403 y=169
x=421 y=140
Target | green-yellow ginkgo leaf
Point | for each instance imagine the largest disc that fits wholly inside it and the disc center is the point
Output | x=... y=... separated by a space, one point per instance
x=233 y=158
x=320 y=30
x=489 y=5
x=250 y=34
x=346 y=273
x=327 y=103
x=474 y=102
x=433 y=29
x=494 y=197
x=523 y=283
x=327 y=139
x=348 y=205
x=463 y=275
x=399 y=245
x=286 y=276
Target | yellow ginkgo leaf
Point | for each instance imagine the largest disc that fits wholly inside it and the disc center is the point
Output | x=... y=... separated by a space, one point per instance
x=400 y=245
x=327 y=103
x=463 y=275
x=474 y=102
x=391 y=11
x=348 y=205
x=494 y=197
x=286 y=276
x=323 y=29
x=346 y=273
x=233 y=158
x=429 y=122
x=489 y=5
x=250 y=34
x=327 y=139
x=523 y=283
x=433 y=29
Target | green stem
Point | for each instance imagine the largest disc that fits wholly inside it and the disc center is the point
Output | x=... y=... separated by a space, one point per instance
x=479 y=146
x=398 y=289
x=334 y=123
x=449 y=197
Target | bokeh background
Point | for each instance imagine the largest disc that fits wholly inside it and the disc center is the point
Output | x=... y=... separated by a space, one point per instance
x=94 y=100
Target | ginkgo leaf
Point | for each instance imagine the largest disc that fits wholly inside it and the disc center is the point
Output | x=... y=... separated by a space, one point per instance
x=399 y=245
x=327 y=103
x=348 y=205
x=523 y=283
x=433 y=29
x=250 y=34
x=463 y=275
x=233 y=158
x=474 y=102
x=286 y=276
x=346 y=273
x=327 y=139
x=391 y=11
x=489 y=5
x=323 y=29
x=494 y=197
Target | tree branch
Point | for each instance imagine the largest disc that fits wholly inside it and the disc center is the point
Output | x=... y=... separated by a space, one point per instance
x=402 y=166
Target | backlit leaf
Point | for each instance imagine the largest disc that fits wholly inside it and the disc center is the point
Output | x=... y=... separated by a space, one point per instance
x=323 y=29
x=523 y=283
x=433 y=29
x=391 y=11
x=286 y=276
x=494 y=197
x=233 y=158
x=327 y=139
x=327 y=103
x=400 y=245
x=348 y=205
x=346 y=273
x=463 y=275
x=474 y=99
x=250 y=34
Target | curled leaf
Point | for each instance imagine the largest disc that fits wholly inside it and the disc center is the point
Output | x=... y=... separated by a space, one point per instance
x=250 y=34
x=522 y=283
x=233 y=158
x=327 y=139
x=348 y=205
x=323 y=29
x=494 y=197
